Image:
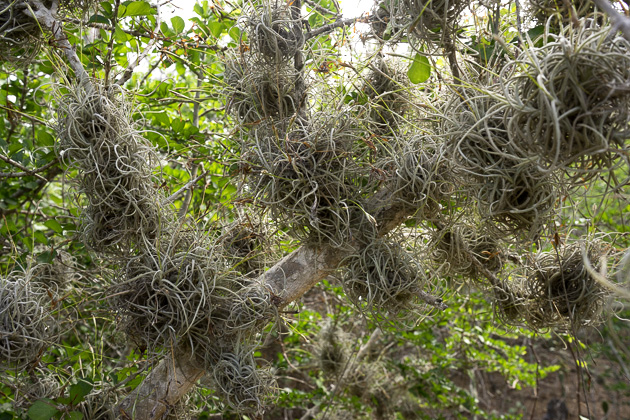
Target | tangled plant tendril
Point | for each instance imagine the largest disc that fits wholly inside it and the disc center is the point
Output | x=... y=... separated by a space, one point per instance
x=306 y=177
x=241 y=384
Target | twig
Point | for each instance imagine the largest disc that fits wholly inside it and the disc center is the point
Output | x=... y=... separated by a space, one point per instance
x=330 y=27
x=183 y=189
x=27 y=171
x=129 y=70
x=321 y=9
x=620 y=22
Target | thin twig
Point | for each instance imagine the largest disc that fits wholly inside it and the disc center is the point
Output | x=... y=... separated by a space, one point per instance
x=330 y=27
x=620 y=22
x=129 y=70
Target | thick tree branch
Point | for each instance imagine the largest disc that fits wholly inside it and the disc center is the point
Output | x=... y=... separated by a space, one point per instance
x=289 y=279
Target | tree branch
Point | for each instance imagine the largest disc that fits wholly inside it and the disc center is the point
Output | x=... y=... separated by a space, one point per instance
x=620 y=22
x=330 y=27
x=45 y=18
x=27 y=171
x=289 y=279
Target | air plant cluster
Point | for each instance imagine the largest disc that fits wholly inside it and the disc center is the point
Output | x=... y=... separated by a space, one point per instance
x=556 y=290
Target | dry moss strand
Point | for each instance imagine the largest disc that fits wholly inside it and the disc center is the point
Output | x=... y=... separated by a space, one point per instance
x=312 y=179
x=240 y=383
x=258 y=90
x=383 y=279
x=463 y=249
x=271 y=32
x=166 y=298
x=20 y=35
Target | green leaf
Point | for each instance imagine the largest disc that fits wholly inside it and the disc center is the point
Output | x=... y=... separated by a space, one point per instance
x=43 y=409
x=420 y=69
x=40 y=238
x=135 y=8
x=119 y=35
x=199 y=10
x=54 y=225
x=46 y=257
x=79 y=390
x=75 y=415
x=45 y=138
x=99 y=19
x=216 y=28
x=235 y=33
x=178 y=24
x=166 y=31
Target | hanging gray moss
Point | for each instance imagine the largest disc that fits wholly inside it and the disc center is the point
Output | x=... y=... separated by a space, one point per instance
x=463 y=250
x=383 y=279
x=500 y=175
x=27 y=325
x=115 y=163
x=241 y=385
x=569 y=102
x=272 y=34
x=311 y=179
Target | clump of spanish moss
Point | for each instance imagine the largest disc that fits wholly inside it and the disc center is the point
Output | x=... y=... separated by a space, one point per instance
x=510 y=188
x=569 y=99
x=247 y=312
x=542 y=10
x=240 y=383
x=307 y=177
x=100 y=404
x=258 y=90
x=426 y=20
x=245 y=243
x=27 y=326
x=555 y=290
x=20 y=35
x=423 y=178
x=57 y=275
x=166 y=297
x=272 y=32
x=332 y=350
x=510 y=302
x=41 y=384
x=383 y=278
x=463 y=250
x=115 y=164
x=562 y=293
x=386 y=88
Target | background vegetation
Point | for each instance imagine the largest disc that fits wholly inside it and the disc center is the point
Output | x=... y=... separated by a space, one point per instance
x=461 y=169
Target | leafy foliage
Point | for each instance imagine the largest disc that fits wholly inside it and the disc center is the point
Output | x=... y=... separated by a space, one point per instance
x=141 y=209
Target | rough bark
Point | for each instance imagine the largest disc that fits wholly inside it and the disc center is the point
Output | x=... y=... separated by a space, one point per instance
x=168 y=382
